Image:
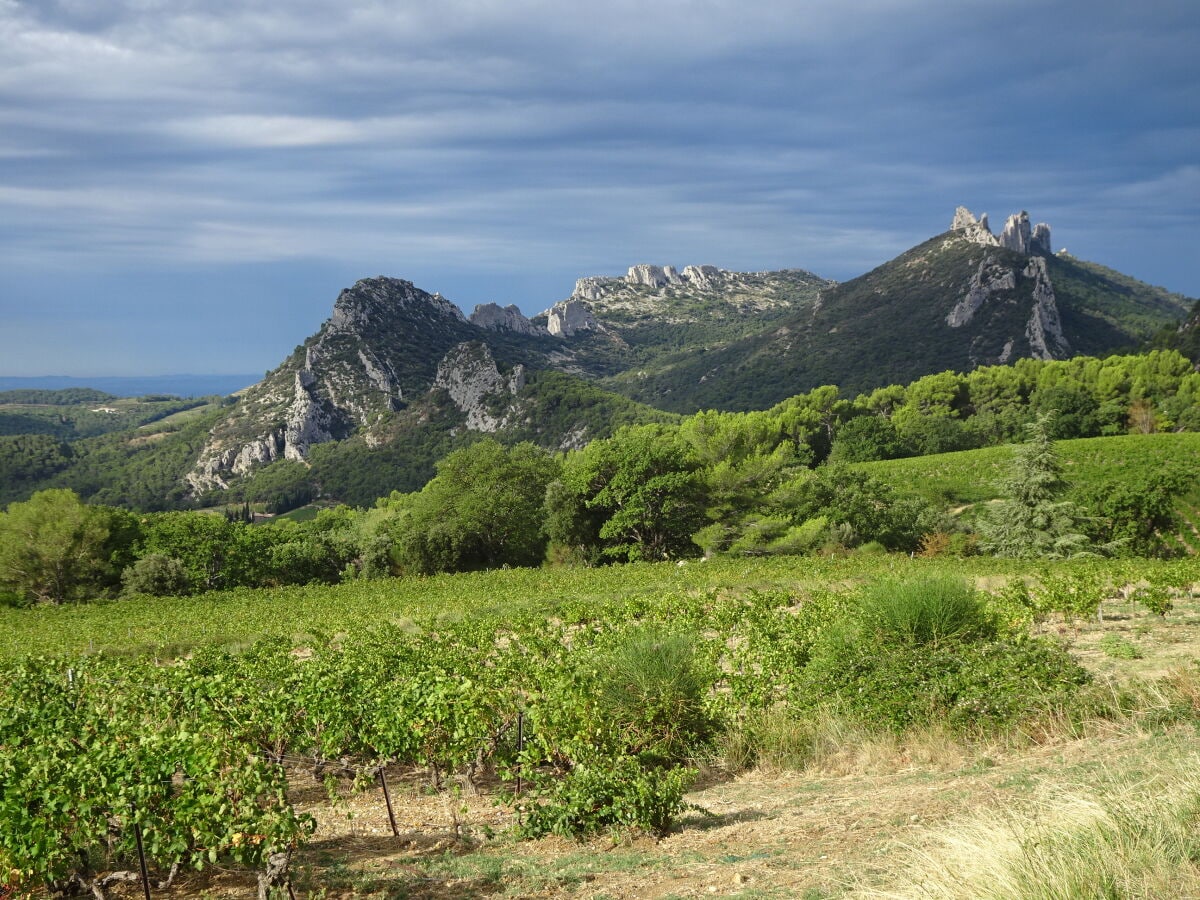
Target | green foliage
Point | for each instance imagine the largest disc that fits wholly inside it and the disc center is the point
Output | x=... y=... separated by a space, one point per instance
x=926 y=652
x=156 y=575
x=93 y=749
x=642 y=486
x=1118 y=647
x=931 y=611
x=619 y=794
x=867 y=438
x=651 y=688
x=53 y=548
x=482 y=510
x=1032 y=522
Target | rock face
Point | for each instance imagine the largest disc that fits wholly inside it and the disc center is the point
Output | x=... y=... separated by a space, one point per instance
x=569 y=317
x=469 y=374
x=508 y=318
x=652 y=276
x=347 y=377
x=701 y=276
x=1017 y=235
x=963 y=218
x=975 y=230
x=1044 y=329
x=1041 y=240
x=989 y=280
x=592 y=288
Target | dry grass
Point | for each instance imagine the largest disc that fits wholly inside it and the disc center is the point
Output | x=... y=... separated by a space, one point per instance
x=1132 y=841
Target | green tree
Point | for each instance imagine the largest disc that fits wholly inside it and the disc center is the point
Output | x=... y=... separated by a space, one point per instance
x=482 y=510
x=865 y=439
x=643 y=486
x=1033 y=522
x=53 y=548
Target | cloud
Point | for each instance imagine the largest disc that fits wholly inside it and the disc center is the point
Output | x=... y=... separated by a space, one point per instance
x=503 y=147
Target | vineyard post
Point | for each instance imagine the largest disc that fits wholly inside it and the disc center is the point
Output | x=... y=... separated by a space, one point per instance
x=137 y=834
x=520 y=745
x=387 y=798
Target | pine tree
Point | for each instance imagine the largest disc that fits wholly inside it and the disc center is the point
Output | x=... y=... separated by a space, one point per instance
x=1033 y=522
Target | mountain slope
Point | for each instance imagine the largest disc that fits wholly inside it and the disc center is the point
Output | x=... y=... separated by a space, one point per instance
x=962 y=299
x=397 y=377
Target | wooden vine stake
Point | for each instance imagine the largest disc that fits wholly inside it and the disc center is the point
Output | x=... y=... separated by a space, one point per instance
x=387 y=798
x=137 y=834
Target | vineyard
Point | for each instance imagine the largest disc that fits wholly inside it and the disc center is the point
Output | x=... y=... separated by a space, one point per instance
x=577 y=699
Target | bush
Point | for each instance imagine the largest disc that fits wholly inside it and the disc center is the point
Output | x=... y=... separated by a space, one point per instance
x=928 y=611
x=915 y=653
x=157 y=575
x=970 y=688
x=605 y=795
x=651 y=691
x=1118 y=648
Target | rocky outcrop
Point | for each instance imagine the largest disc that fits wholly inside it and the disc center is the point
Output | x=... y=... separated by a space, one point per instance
x=569 y=317
x=508 y=318
x=307 y=422
x=652 y=276
x=1040 y=241
x=1044 y=328
x=469 y=374
x=975 y=230
x=1017 y=235
x=963 y=218
x=592 y=288
x=701 y=276
x=990 y=279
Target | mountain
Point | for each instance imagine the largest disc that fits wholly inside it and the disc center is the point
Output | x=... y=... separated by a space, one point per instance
x=397 y=367
x=962 y=299
x=398 y=377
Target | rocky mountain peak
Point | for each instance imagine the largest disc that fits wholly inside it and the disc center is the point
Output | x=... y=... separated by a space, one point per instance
x=1017 y=235
x=569 y=317
x=975 y=230
x=1040 y=240
x=371 y=300
x=508 y=318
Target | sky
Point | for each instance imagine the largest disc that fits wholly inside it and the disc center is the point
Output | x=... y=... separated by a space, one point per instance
x=186 y=185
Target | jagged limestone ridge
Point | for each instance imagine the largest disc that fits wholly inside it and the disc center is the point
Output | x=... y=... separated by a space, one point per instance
x=346 y=378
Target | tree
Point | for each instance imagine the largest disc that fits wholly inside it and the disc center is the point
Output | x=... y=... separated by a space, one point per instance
x=1033 y=522
x=865 y=439
x=53 y=547
x=482 y=510
x=644 y=488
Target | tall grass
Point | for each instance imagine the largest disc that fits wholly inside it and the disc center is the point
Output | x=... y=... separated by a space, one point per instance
x=1137 y=842
x=928 y=610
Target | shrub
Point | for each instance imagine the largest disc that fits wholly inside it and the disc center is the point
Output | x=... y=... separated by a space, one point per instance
x=155 y=574
x=1118 y=648
x=914 y=653
x=651 y=691
x=607 y=794
x=971 y=688
x=926 y=611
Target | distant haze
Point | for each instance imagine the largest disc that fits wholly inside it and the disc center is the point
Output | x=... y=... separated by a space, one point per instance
x=138 y=386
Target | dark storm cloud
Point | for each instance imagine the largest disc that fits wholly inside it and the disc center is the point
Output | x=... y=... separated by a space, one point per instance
x=263 y=153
